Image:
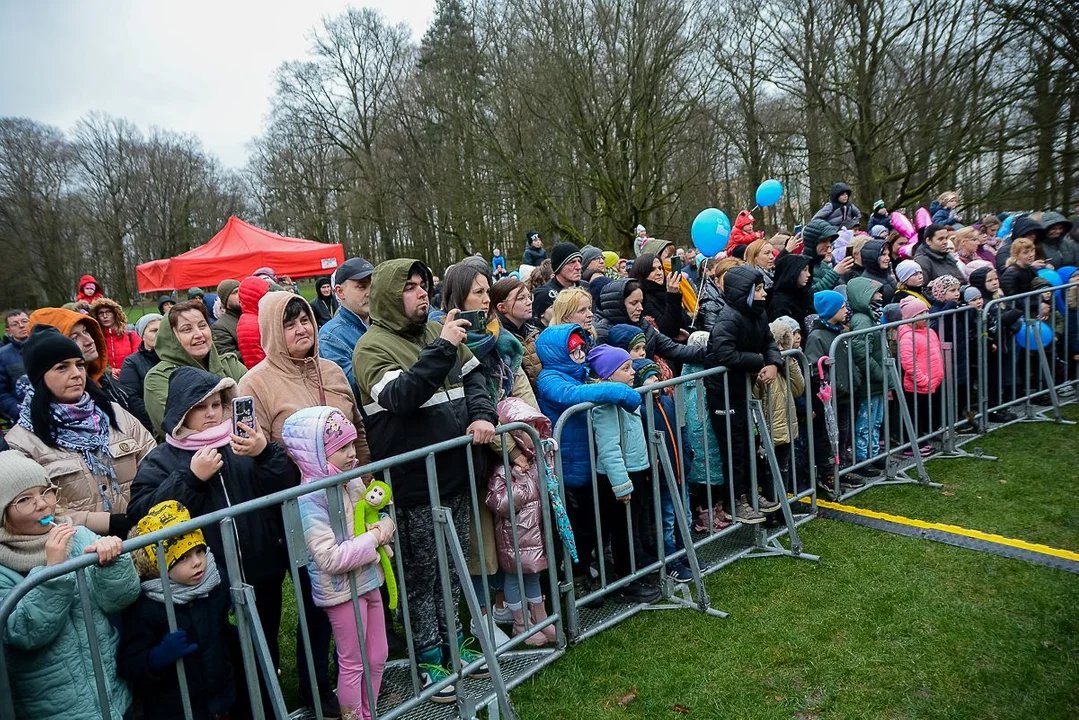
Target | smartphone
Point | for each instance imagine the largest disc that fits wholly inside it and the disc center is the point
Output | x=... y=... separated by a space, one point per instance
x=243 y=411
x=797 y=229
x=477 y=319
x=676 y=264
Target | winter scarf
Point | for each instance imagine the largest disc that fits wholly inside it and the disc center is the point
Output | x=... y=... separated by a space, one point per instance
x=81 y=428
x=218 y=436
x=23 y=553
x=183 y=594
x=503 y=363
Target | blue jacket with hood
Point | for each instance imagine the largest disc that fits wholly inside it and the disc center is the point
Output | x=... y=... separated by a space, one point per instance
x=562 y=384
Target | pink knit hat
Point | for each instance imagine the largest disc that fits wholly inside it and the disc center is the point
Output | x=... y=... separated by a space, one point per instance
x=337 y=432
x=912 y=307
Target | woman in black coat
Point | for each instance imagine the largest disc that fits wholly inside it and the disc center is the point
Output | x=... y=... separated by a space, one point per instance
x=621 y=302
x=662 y=294
x=791 y=294
x=137 y=364
x=324 y=304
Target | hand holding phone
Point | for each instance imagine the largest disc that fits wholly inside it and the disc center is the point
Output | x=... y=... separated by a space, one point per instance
x=243 y=411
x=476 y=318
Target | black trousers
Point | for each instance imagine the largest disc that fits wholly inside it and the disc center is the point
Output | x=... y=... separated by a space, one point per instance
x=735 y=424
x=632 y=525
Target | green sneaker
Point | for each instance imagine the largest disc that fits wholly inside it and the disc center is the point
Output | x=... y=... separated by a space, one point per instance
x=434 y=674
x=469 y=656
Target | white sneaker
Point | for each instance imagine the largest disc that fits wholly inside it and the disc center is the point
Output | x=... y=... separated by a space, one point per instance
x=502 y=615
x=498 y=636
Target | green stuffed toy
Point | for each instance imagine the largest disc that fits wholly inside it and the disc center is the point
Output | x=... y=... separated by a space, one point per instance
x=376 y=498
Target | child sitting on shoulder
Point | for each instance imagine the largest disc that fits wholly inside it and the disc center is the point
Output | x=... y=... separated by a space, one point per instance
x=320 y=440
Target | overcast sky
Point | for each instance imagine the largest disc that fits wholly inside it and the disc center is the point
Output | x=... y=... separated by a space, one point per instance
x=197 y=66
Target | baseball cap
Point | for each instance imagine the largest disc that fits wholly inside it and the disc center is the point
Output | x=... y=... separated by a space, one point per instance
x=353 y=269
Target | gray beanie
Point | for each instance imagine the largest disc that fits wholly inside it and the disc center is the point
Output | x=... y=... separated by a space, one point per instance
x=142 y=322
x=590 y=253
x=18 y=473
x=971 y=293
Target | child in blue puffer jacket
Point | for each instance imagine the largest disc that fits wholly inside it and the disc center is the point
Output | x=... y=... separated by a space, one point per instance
x=563 y=350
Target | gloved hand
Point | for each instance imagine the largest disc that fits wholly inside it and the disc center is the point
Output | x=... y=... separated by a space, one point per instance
x=171 y=648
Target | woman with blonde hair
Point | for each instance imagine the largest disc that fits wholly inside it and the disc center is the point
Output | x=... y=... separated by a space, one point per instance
x=573 y=306
x=762 y=255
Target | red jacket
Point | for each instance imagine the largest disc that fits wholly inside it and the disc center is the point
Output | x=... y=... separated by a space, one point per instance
x=739 y=236
x=120 y=345
x=248 y=337
x=80 y=295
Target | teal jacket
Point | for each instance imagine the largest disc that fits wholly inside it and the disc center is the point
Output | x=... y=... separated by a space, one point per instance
x=49 y=661
x=621 y=446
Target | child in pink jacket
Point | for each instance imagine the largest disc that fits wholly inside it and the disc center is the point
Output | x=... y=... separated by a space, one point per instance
x=320 y=441
x=922 y=363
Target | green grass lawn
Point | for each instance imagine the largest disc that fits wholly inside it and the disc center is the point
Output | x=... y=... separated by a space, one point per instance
x=1028 y=494
x=883 y=627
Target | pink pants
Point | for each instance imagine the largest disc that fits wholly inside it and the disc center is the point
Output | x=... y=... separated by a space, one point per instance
x=351 y=689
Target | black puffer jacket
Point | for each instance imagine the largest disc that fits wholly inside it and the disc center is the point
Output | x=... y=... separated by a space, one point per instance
x=871 y=253
x=665 y=308
x=787 y=297
x=935 y=264
x=741 y=340
x=612 y=311
x=709 y=303
x=208 y=669
x=166 y=474
x=133 y=377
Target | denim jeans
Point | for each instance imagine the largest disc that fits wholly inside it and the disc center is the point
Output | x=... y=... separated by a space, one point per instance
x=672 y=541
x=867 y=428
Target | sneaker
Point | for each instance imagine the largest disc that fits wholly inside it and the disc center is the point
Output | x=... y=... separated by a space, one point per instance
x=721 y=520
x=767 y=506
x=1002 y=416
x=502 y=615
x=497 y=634
x=927 y=449
x=744 y=513
x=637 y=592
x=434 y=674
x=680 y=573
x=853 y=480
x=469 y=656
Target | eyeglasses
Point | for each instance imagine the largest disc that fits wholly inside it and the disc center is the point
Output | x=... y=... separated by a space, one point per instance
x=27 y=504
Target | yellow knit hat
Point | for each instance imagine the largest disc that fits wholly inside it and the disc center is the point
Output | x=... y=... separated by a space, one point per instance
x=166 y=514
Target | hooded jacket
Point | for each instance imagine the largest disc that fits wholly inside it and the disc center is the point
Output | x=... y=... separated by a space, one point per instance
x=741 y=340
x=847 y=376
x=824 y=276
x=416 y=388
x=871 y=254
x=530 y=552
x=252 y=289
x=1063 y=251
x=921 y=359
x=281 y=384
x=842 y=215
x=564 y=383
x=612 y=311
x=49 y=663
x=739 y=235
x=330 y=562
x=324 y=307
x=934 y=264
x=779 y=397
x=82 y=295
x=224 y=331
x=119 y=341
x=786 y=297
x=868 y=349
x=166 y=475
x=168 y=348
x=884 y=221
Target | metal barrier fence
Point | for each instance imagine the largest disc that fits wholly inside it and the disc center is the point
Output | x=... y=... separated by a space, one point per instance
x=483 y=682
x=905 y=390
x=595 y=597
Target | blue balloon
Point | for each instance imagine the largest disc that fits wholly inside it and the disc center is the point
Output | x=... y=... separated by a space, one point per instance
x=1029 y=340
x=1006 y=226
x=1066 y=272
x=711 y=231
x=769 y=192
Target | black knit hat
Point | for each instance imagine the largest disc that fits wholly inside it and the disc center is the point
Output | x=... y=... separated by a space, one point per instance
x=46 y=347
x=563 y=253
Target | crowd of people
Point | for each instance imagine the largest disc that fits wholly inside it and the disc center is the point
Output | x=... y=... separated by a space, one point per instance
x=119 y=430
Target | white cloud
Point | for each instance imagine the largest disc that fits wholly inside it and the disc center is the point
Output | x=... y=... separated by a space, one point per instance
x=203 y=67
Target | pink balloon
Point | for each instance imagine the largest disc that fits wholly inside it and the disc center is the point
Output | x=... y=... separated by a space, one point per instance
x=902 y=225
x=907 y=250
x=922 y=218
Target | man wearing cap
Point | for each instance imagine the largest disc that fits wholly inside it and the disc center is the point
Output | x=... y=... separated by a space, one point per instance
x=535 y=253
x=228 y=314
x=337 y=339
x=592 y=262
x=566 y=266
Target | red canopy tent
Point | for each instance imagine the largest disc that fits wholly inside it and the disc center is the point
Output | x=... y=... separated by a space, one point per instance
x=235 y=252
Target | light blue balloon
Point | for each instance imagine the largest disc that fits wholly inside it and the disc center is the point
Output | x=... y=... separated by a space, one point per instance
x=1050 y=276
x=1030 y=338
x=1066 y=272
x=769 y=192
x=711 y=231
x=1006 y=227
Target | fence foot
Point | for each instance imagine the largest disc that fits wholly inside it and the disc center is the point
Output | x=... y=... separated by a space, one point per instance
x=773 y=548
